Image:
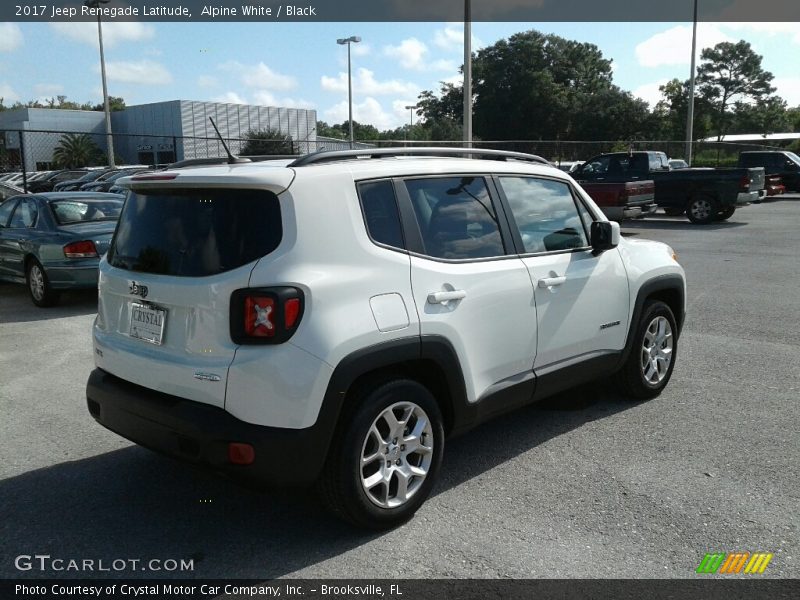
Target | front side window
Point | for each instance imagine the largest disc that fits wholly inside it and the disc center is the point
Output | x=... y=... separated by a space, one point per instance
x=456 y=217
x=545 y=214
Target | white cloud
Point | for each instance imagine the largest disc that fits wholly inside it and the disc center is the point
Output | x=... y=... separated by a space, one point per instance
x=788 y=89
x=409 y=53
x=10 y=37
x=364 y=82
x=143 y=72
x=649 y=92
x=266 y=98
x=361 y=49
x=369 y=112
x=451 y=38
x=113 y=32
x=413 y=54
x=48 y=89
x=7 y=93
x=207 y=81
x=673 y=46
x=260 y=76
x=229 y=98
x=771 y=29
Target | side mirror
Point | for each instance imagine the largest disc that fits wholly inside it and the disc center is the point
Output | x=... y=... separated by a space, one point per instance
x=605 y=235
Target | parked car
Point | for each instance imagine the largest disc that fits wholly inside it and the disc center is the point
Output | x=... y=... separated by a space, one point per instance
x=8 y=190
x=569 y=166
x=678 y=163
x=75 y=184
x=331 y=319
x=108 y=182
x=705 y=195
x=53 y=241
x=46 y=184
x=775 y=186
x=783 y=163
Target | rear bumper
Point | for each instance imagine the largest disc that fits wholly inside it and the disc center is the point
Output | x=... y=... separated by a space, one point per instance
x=619 y=213
x=200 y=433
x=746 y=197
x=73 y=277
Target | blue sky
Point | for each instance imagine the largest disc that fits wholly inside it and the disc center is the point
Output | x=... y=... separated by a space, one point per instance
x=301 y=64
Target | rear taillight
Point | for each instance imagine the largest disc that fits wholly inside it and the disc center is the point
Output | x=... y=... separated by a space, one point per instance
x=84 y=249
x=744 y=183
x=265 y=315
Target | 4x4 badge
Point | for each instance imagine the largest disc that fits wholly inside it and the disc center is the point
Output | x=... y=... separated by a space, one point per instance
x=137 y=289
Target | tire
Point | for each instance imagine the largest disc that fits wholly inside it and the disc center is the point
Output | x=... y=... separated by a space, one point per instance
x=357 y=491
x=674 y=212
x=39 y=288
x=649 y=365
x=702 y=209
x=726 y=214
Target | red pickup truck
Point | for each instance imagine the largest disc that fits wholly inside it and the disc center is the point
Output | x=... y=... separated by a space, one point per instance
x=623 y=200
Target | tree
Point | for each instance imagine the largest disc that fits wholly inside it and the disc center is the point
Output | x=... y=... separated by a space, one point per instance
x=267 y=142
x=534 y=86
x=442 y=115
x=115 y=103
x=76 y=150
x=731 y=73
x=671 y=112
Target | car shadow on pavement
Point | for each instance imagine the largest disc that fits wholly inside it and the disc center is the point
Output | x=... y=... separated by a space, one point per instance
x=131 y=503
x=16 y=305
x=679 y=224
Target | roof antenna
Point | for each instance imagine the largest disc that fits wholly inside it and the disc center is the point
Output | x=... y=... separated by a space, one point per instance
x=232 y=160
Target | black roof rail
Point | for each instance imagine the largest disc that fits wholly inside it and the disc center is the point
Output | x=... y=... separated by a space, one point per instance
x=223 y=160
x=336 y=155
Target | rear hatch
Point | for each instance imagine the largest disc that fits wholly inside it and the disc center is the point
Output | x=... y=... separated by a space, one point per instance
x=178 y=254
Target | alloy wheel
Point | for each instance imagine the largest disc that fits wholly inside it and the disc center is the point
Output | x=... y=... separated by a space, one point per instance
x=657 y=347
x=396 y=455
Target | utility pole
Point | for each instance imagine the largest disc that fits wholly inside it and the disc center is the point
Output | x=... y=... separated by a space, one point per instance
x=690 y=112
x=467 y=74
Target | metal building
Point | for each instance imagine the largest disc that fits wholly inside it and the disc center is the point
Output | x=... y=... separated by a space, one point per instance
x=157 y=133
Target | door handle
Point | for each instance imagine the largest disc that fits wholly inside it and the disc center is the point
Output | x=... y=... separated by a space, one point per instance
x=445 y=297
x=551 y=281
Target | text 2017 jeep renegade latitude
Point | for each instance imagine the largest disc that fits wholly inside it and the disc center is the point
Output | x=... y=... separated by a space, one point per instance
x=333 y=319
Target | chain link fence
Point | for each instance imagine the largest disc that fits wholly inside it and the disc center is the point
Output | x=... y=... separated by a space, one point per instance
x=36 y=151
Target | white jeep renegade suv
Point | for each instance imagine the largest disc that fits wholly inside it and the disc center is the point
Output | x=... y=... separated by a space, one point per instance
x=333 y=319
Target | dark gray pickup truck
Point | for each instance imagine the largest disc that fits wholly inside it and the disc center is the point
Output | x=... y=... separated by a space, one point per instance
x=704 y=195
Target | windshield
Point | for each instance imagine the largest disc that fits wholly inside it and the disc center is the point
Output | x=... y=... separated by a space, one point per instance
x=793 y=157
x=85 y=210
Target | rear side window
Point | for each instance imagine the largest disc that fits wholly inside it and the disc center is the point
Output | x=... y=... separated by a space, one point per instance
x=380 y=213
x=456 y=217
x=545 y=214
x=195 y=233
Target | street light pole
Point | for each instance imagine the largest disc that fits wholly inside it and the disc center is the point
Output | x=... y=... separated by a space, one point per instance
x=467 y=133
x=411 y=108
x=690 y=111
x=348 y=41
x=106 y=104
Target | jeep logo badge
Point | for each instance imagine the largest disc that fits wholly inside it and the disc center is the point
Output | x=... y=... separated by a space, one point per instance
x=137 y=289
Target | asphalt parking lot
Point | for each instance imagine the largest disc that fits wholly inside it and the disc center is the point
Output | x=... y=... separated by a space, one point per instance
x=585 y=485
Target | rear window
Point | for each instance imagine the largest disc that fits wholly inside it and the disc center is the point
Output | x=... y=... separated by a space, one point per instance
x=85 y=210
x=195 y=233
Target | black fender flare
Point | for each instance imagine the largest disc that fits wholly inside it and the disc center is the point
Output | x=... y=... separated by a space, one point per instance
x=671 y=282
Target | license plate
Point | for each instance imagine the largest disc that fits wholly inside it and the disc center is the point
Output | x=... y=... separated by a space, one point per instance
x=147 y=323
